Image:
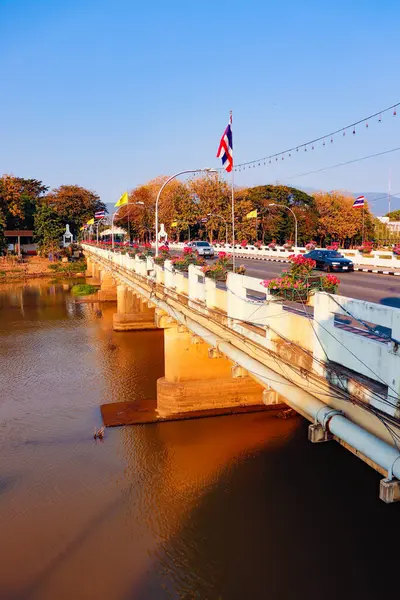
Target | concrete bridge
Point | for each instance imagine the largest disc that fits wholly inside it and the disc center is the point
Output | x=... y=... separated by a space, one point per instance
x=336 y=362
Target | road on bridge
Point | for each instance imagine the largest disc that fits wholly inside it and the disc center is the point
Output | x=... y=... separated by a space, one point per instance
x=383 y=289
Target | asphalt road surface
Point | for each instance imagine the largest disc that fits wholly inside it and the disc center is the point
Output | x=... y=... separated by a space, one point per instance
x=383 y=289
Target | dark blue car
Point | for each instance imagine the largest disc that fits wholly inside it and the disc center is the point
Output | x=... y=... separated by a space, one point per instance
x=330 y=260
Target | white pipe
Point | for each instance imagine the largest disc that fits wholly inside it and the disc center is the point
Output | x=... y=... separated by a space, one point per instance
x=375 y=449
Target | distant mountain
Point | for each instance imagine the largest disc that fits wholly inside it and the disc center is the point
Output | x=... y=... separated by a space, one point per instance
x=378 y=201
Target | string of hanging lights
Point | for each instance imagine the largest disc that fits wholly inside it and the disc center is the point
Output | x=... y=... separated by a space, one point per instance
x=311 y=144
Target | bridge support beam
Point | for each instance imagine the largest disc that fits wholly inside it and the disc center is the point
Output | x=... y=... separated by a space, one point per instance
x=133 y=312
x=108 y=288
x=193 y=381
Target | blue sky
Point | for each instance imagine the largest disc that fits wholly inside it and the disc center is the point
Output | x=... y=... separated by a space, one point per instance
x=108 y=94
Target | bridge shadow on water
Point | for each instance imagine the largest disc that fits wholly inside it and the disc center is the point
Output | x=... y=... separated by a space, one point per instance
x=301 y=522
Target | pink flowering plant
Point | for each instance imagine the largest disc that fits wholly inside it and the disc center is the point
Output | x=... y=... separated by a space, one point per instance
x=147 y=250
x=366 y=247
x=163 y=255
x=219 y=270
x=297 y=283
x=396 y=249
x=272 y=245
x=311 y=245
x=288 y=245
x=189 y=257
x=333 y=246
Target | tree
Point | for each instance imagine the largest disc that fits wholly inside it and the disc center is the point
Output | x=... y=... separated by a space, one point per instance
x=49 y=228
x=74 y=205
x=394 y=215
x=339 y=221
x=18 y=199
x=278 y=223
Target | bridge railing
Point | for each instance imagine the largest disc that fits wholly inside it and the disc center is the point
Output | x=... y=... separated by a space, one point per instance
x=361 y=336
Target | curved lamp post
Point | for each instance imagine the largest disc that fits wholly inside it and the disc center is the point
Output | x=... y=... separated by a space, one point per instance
x=295 y=220
x=226 y=224
x=113 y=217
x=163 y=186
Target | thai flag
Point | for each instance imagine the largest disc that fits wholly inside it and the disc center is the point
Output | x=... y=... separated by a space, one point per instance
x=359 y=202
x=225 y=150
x=100 y=214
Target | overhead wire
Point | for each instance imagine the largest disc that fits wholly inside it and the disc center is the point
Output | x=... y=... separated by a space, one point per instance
x=329 y=135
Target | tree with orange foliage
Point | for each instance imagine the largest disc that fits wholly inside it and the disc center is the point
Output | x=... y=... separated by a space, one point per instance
x=339 y=221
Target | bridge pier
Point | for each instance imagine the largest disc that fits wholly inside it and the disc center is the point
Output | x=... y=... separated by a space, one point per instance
x=107 y=291
x=133 y=312
x=193 y=381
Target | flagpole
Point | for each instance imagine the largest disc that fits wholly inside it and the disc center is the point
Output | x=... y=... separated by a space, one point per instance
x=363 y=223
x=233 y=203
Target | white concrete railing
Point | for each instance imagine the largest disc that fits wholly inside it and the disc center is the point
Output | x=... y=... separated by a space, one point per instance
x=325 y=336
x=389 y=261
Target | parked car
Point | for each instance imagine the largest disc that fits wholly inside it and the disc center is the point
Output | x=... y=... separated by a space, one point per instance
x=203 y=248
x=330 y=260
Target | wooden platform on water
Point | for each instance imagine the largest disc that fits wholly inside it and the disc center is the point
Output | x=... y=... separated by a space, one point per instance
x=145 y=413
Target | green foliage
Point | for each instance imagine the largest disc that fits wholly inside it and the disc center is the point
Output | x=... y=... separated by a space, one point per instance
x=83 y=289
x=394 y=215
x=18 y=200
x=74 y=205
x=68 y=269
x=49 y=228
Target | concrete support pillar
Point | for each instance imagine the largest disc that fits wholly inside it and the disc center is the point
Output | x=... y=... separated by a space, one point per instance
x=193 y=381
x=133 y=312
x=89 y=266
x=108 y=288
x=94 y=272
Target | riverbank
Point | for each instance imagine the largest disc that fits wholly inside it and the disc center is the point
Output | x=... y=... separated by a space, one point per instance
x=36 y=266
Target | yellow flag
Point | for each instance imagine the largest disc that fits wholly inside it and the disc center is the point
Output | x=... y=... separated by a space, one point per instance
x=81 y=229
x=252 y=214
x=90 y=222
x=123 y=200
x=174 y=224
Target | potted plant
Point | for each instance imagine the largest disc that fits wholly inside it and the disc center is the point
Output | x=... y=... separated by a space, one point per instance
x=366 y=247
x=288 y=245
x=219 y=270
x=333 y=246
x=163 y=255
x=311 y=245
x=297 y=283
x=272 y=245
x=189 y=257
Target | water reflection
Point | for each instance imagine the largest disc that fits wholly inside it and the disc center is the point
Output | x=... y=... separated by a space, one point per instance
x=197 y=509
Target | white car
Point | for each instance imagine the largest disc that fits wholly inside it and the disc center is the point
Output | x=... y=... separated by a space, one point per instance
x=203 y=248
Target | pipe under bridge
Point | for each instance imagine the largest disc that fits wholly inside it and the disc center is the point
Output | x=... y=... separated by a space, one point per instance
x=336 y=363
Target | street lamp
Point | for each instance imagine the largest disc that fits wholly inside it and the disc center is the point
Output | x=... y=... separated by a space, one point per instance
x=163 y=186
x=226 y=224
x=295 y=220
x=113 y=217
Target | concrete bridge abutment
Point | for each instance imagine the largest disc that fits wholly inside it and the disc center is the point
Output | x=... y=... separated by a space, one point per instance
x=197 y=379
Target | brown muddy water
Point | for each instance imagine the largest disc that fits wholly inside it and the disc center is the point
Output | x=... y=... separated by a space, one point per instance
x=239 y=507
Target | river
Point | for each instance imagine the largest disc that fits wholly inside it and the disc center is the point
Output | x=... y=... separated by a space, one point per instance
x=239 y=507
